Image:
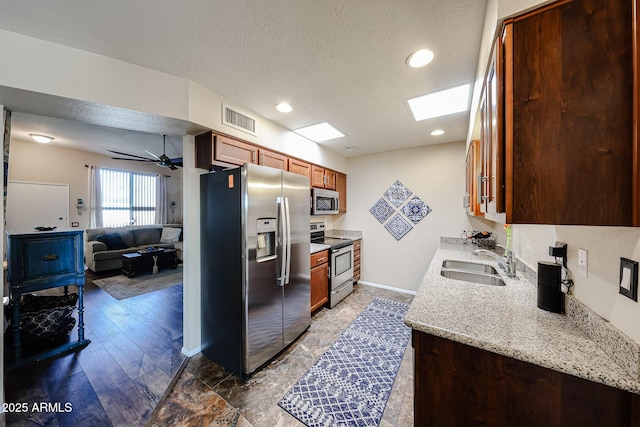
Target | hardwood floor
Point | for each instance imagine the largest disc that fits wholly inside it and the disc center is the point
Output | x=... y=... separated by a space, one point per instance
x=117 y=379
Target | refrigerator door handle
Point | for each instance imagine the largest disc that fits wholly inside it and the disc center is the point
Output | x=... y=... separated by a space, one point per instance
x=283 y=223
x=288 y=241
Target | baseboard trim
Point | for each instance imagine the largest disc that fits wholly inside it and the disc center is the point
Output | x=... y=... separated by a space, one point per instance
x=191 y=353
x=389 y=288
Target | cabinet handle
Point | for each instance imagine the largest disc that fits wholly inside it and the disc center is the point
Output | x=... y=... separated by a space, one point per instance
x=51 y=257
x=253 y=156
x=320 y=259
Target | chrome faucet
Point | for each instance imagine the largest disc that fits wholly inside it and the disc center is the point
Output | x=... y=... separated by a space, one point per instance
x=506 y=262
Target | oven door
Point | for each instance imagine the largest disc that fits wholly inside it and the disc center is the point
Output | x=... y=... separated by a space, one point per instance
x=324 y=202
x=341 y=265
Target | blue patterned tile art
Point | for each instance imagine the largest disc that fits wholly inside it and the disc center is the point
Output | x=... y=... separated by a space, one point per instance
x=416 y=209
x=397 y=193
x=381 y=210
x=398 y=226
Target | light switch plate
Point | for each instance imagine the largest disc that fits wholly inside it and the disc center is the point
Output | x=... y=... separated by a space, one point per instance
x=582 y=262
x=629 y=278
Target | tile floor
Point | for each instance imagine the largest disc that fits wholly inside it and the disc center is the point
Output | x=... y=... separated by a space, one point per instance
x=206 y=394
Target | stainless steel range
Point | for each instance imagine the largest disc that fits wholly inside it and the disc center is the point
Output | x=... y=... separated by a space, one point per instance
x=340 y=263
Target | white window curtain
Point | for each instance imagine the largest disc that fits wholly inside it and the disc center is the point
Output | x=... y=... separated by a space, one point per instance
x=95 y=197
x=161 y=200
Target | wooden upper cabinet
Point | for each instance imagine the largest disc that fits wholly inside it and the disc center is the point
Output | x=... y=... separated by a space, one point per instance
x=474 y=171
x=222 y=151
x=323 y=178
x=273 y=159
x=341 y=188
x=300 y=167
x=569 y=143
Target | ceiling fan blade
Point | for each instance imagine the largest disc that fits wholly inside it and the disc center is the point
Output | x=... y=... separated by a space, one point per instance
x=130 y=155
x=153 y=155
x=177 y=161
x=135 y=160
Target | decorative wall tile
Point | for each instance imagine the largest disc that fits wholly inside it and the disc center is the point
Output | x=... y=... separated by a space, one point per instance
x=397 y=193
x=398 y=226
x=382 y=210
x=415 y=209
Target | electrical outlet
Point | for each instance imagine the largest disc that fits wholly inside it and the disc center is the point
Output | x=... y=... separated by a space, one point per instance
x=75 y=224
x=582 y=262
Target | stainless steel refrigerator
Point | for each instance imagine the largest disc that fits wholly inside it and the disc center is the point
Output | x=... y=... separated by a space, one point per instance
x=255 y=274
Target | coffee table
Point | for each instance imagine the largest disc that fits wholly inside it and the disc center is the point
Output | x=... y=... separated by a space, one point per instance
x=144 y=261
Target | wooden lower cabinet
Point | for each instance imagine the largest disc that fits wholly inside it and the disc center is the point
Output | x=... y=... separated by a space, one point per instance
x=357 y=249
x=319 y=279
x=460 y=385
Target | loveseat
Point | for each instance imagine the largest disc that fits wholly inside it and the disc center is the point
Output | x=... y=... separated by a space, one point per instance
x=103 y=247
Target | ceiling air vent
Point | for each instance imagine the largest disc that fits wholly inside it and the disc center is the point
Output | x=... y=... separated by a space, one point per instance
x=235 y=119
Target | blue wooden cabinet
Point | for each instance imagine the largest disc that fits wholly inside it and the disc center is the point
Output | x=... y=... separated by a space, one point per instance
x=38 y=261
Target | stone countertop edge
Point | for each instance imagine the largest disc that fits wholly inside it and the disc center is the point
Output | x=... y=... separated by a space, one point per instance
x=317 y=247
x=507 y=321
x=349 y=234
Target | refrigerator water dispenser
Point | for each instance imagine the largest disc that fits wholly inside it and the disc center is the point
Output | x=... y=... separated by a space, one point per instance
x=266 y=239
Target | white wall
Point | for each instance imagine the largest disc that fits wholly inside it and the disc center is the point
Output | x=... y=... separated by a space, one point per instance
x=33 y=162
x=435 y=174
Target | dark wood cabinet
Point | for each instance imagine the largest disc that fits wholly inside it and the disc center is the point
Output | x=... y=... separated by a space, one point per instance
x=472 y=185
x=459 y=385
x=341 y=188
x=319 y=279
x=558 y=135
x=213 y=150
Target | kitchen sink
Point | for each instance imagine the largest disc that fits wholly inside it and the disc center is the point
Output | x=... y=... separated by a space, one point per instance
x=468 y=266
x=473 y=276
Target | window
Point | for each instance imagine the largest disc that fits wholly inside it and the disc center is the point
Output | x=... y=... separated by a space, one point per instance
x=127 y=198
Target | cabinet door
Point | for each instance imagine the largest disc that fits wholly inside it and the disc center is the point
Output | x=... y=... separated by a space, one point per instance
x=341 y=188
x=485 y=153
x=572 y=143
x=472 y=196
x=274 y=160
x=317 y=176
x=495 y=123
x=330 y=179
x=300 y=167
x=233 y=151
x=319 y=286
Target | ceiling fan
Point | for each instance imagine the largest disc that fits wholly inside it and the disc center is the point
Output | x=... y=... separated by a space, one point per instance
x=162 y=160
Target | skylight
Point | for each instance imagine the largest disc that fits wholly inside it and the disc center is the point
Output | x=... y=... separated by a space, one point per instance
x=445 y=102
x=320 y=132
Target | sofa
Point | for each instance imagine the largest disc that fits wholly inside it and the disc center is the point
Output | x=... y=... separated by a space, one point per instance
x=104 y=247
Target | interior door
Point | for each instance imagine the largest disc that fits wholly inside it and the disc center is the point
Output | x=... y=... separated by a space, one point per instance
x=36 y=204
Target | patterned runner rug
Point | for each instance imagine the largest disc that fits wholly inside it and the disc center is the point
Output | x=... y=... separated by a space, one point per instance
x=351 y=382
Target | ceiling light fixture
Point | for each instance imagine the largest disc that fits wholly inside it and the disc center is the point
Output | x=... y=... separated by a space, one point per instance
x=350 y=148
x=420 y=58
x=284 y=107
x=437 y=132
x=442 y=103
x=320 y=132
x=43 y=139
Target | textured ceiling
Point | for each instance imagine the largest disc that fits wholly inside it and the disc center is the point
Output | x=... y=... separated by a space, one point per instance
x=338 y=61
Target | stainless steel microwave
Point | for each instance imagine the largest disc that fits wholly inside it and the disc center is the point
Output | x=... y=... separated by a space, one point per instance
x=324 y=202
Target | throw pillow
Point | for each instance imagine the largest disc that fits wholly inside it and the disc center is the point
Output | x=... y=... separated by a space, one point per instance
x=170 y=234
x=113 y=241
x=146 y=236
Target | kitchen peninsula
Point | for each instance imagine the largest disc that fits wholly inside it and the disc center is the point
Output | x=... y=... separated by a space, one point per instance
x=488 y=355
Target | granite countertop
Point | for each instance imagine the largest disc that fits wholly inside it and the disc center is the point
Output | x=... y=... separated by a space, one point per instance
x=317 y=247
x=507 y=321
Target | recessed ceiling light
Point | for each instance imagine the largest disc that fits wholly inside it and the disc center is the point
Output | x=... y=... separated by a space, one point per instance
x=437 y=132
x=420 y=58
x=320 y=132
x=43 y=139
x=441 y=103
x=350 y=148
x=284 y=107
